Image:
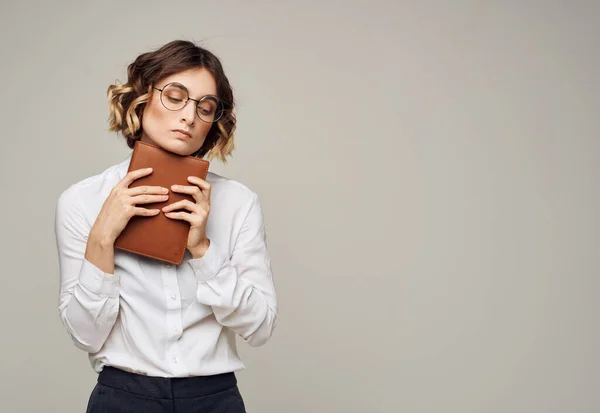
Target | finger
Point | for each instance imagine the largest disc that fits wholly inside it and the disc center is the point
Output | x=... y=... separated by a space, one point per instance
x=194 y=191
x=145 y=212
x=192 y=219
x=148 y=199
x=147 y=190
x=133 y=175
x=183 y=204
x=183 y=216
x=205 y=186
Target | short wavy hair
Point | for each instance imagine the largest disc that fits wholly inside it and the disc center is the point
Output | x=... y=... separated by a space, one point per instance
x=127 y=101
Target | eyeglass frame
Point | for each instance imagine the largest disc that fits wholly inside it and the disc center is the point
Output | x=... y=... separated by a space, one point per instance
x=220 y=103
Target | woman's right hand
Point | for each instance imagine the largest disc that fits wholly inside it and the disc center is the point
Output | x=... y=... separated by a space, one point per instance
x=121 y=205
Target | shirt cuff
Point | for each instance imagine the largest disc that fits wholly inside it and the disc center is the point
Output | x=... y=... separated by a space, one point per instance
x=209 y=265
x=97 y=281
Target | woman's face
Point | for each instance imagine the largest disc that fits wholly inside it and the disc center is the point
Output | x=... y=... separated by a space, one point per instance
x=182 y=131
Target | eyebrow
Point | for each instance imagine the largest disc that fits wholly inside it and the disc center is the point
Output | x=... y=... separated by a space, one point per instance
x=188 y=90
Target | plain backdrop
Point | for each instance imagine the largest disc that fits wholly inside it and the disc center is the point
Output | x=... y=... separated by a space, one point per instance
x=429 y=177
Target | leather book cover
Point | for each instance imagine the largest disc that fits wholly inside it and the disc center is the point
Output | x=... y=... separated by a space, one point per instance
x=160 y=237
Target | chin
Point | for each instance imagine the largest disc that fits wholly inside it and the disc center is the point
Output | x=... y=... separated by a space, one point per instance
x=177 y=146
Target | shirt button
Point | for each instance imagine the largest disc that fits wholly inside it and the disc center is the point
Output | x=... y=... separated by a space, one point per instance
x=175 y=360
x=173 y=297
x=175 y=329
x=168 y=265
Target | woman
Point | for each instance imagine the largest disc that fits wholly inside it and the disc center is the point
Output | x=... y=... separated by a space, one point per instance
x=163 y=337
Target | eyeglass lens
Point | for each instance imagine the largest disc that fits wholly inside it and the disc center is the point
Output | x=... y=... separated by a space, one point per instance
x=175 y=96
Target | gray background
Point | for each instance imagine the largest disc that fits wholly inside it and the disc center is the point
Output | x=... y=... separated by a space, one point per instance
x=428 y=172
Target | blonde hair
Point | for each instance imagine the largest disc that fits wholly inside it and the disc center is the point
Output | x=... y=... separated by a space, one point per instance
x=126 y=102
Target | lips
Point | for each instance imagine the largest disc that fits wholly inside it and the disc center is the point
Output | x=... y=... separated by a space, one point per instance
x=187 y=134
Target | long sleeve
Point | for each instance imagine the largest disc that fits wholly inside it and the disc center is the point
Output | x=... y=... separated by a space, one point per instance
x=240 y=288
x=89 y=298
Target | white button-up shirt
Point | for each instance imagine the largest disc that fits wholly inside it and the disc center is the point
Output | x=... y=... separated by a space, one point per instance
x=153 y=318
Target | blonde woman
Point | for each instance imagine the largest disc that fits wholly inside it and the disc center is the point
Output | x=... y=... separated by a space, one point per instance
x=163 y=337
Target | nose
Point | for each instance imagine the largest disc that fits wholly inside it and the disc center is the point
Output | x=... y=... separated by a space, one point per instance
x=188 y=113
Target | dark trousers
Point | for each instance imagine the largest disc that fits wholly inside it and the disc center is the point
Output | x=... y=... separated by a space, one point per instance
x=119 y=391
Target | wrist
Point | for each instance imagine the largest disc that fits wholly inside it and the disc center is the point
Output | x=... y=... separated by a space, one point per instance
x=100 y=238
x=200 y=250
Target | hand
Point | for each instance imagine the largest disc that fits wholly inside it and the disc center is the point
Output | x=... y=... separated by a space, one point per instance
x=197 y=216
x=120 y=206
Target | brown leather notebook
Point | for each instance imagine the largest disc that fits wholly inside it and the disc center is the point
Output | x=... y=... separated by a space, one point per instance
x=160 y=237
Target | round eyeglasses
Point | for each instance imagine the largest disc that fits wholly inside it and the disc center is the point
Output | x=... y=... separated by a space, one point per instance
x=174 y=96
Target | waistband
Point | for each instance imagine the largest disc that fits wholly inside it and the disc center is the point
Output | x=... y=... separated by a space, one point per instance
x=166 y=387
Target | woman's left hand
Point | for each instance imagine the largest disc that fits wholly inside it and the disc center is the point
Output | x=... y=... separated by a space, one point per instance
x=197 y=216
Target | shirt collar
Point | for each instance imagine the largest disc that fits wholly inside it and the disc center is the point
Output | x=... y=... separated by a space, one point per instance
x=123 y=166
